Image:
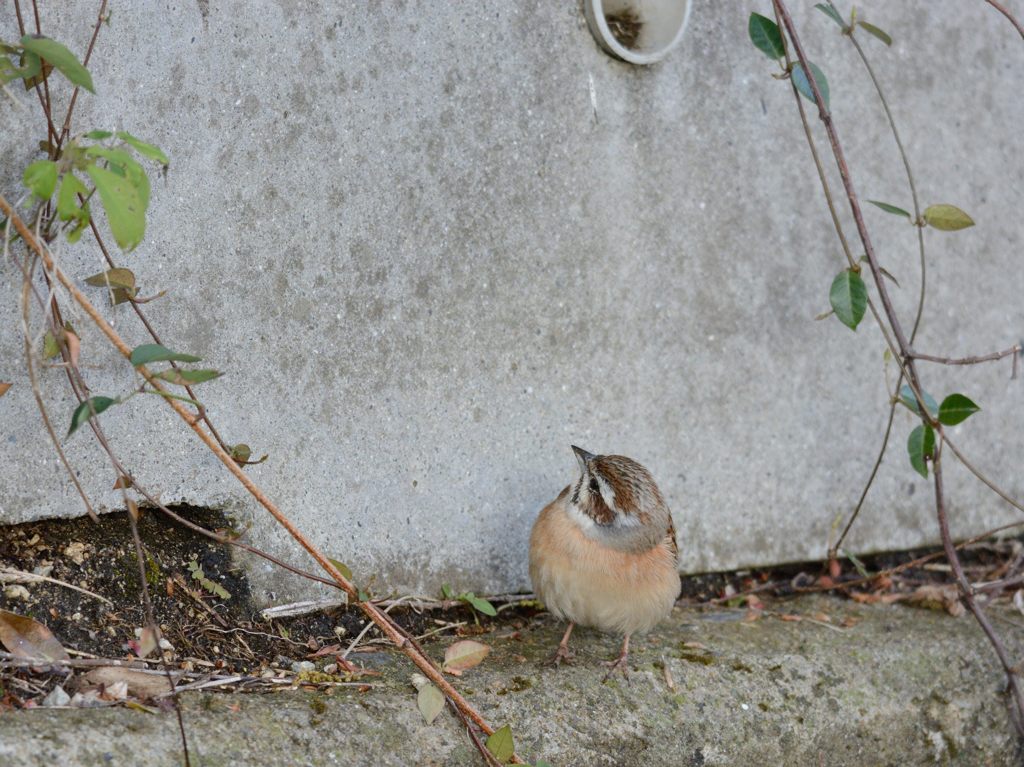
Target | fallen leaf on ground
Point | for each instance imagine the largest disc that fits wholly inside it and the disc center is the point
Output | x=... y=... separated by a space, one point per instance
x=114 y=679
x=4 y=386
x=870 y=599
x=430 y=702
x=330 y=649
x=464 y=655
x=790 y=618
x=937 y=597
x=29 y=639
x=500 y=744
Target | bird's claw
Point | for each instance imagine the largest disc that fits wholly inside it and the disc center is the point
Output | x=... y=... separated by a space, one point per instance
x=562 y=656
x=620 y=664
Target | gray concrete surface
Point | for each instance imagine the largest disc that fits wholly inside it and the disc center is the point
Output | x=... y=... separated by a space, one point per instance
x=428 y=261
x=900 y=687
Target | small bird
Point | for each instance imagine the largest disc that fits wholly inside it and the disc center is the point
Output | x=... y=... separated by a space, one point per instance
x=604 y=553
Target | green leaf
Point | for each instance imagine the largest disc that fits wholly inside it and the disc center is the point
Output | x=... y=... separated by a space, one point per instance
x=861 y=569
x=955 y=409
x=99 y=135
x=430 y=702
x=890 y=208
x=481 y=604
x=804 y=86
x=908 y=399
x=63 y=59
x=187 y=377
x=832 y=14
x=41 y=178
x=921 y=445
x=240 y=454
x=849 y=298
x=143 y=355
x=764 y=34
x=500 y=744
x=83 y=412
x=125 y=206
x=67 y=199
x=146 y=150
x=948 y=218
x=881 y=34
x=446 y=591
x=10 y=71
x=114 y=278
x=342 y=567
x=50 y=347
x=123 y=164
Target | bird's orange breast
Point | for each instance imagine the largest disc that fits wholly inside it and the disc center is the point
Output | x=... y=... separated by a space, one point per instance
x=584 y=581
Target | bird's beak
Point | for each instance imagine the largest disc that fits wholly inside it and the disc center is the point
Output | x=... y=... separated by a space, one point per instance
x=583 y=457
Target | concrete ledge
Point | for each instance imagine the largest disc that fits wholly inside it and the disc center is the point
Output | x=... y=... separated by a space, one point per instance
x=900 y=686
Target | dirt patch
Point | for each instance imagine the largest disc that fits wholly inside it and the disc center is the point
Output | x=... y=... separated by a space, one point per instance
x=200 y=597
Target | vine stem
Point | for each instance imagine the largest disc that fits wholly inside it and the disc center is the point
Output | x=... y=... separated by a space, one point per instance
x=1015 y=350
x=384 y=622
x=1006 y=12
x=967 y=590
x=924 y=277
x=906 y=357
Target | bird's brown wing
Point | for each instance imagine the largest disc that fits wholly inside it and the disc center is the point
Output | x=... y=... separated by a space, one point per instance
x=671 y=537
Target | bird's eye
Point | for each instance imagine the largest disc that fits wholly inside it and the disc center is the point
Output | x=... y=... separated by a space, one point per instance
x=593 y=486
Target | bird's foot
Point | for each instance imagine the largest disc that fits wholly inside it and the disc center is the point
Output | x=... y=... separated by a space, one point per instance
x=620 y=664
x=563 y=655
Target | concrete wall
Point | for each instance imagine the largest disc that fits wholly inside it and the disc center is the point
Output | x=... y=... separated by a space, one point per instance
x=427 y=264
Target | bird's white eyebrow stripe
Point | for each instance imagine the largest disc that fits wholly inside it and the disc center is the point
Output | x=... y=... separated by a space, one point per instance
x=607 y=494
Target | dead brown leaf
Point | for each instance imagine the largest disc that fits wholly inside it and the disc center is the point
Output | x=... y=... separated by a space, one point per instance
x=4 y=386
x=74 y=347
x=29 y=639
x=934 y=596
x=870 y=599
x=464 y=655
x=116 y=680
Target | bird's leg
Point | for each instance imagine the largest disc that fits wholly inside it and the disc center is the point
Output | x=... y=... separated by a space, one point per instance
x=621 y=663
x=562 y=654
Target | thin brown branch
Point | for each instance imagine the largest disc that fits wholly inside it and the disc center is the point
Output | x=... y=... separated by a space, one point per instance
x=153 y=334
x=905 y=357
x=1014 y=350
x=13 y=575
x=982 y=477
x=37 y=393
x=910 y=180
x=851 y=192
x=1006 y=12
x=140 y=557
x=66 y=128
x=387 y=626
x=847 y=251
x=967 y=595
x=924 y=275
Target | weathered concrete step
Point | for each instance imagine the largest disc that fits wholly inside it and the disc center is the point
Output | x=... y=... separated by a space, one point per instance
x=900 y=686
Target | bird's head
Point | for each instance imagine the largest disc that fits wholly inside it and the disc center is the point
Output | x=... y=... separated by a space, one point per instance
x=616 y=501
